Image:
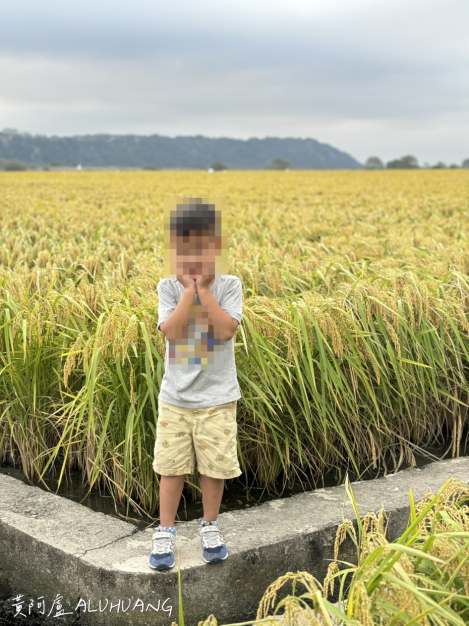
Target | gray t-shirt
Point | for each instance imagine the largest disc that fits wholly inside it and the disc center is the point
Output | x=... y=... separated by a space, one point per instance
x=200 y=369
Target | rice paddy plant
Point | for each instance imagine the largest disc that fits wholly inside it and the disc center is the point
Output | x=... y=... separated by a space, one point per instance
x=421 y=579
x=353 y=347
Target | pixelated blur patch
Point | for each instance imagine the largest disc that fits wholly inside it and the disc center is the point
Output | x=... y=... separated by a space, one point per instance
x=198 y=347
x=195 y=237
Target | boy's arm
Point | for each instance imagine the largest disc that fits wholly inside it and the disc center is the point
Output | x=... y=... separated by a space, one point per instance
x=176 y=323
x=223 y=323
x=226 y=315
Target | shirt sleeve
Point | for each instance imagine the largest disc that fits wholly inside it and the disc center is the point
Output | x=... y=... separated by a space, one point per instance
x=232 y=299
x=167 y=301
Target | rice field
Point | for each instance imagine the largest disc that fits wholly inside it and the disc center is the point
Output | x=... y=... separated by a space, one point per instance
x=420 y=578
x=354 y=344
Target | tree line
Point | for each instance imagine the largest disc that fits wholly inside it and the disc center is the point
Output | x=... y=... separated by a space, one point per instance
x=408 y=162
x=217 y=166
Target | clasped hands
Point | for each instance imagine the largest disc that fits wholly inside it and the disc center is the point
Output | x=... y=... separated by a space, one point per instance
x=201 y=283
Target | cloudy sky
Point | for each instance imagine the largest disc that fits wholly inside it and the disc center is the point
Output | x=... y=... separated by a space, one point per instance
x=384 y=77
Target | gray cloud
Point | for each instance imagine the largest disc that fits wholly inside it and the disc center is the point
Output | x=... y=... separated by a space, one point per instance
x=387 y=78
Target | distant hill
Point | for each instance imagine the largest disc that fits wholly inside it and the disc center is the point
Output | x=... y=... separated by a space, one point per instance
x=178 y=152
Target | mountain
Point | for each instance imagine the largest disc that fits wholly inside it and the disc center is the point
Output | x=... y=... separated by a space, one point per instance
x=171 y=152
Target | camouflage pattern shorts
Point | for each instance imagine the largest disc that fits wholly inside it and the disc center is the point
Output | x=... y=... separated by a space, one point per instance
x=184 y=435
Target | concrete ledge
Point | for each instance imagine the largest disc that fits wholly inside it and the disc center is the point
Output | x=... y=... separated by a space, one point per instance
x=51 y=546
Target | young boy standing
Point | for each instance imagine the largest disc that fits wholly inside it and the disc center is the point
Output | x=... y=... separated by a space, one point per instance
x=199 y=312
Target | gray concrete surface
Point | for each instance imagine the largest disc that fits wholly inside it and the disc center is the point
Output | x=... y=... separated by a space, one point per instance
x=51 y=546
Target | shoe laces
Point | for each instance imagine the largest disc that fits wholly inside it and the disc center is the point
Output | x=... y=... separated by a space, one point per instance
x=212 y=538
x=162 y=542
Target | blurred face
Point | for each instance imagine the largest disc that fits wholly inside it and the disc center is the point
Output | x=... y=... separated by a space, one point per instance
x=194 y=255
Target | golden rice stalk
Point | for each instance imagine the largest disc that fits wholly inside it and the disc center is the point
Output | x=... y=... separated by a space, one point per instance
x=270 y=595
x=71 y=361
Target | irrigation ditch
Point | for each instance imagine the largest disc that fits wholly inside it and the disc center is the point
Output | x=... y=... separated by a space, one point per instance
x=53 y=545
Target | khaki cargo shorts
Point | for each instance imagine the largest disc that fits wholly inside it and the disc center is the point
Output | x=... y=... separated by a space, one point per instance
x=184 y=435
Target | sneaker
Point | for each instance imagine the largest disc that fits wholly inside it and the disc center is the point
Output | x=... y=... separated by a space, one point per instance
x=213 y=545
x=164 y=545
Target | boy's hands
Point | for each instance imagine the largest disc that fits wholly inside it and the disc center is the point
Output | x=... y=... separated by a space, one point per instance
x=203 y=282
x=197 y=284
x=224 y=324
x=187 y=282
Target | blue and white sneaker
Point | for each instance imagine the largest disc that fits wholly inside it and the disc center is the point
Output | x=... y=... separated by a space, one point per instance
x=213 y=545
x=164 y=546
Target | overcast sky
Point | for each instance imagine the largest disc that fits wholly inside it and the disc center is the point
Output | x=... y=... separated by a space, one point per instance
x=381 y=77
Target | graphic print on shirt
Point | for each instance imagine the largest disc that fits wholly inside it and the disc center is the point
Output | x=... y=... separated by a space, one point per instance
x=199 y=347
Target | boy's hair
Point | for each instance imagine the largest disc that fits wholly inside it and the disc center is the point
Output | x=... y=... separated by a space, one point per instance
x=193 y=214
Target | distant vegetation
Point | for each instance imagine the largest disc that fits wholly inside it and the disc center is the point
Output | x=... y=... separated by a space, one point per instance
x=408 y=162
x=158 y=152
x=22 y=151
x=218 y=166
x=12 y=166
x=374 y=163
x=280 y=164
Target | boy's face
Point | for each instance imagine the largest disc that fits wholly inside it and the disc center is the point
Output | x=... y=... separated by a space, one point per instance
x=195 y=240
x=195 y=255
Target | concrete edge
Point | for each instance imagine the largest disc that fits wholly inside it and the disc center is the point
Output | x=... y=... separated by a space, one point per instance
x=51 y=546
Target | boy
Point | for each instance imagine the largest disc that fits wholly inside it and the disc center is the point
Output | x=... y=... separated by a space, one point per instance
x=199 y=312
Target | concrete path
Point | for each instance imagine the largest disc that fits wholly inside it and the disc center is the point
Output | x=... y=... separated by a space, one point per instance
x=93 y=564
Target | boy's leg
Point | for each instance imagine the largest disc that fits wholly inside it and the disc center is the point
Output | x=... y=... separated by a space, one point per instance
x=170 y=496
x=212 y=492
x=174 y=457
x=162 y=555
x=215 y=446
